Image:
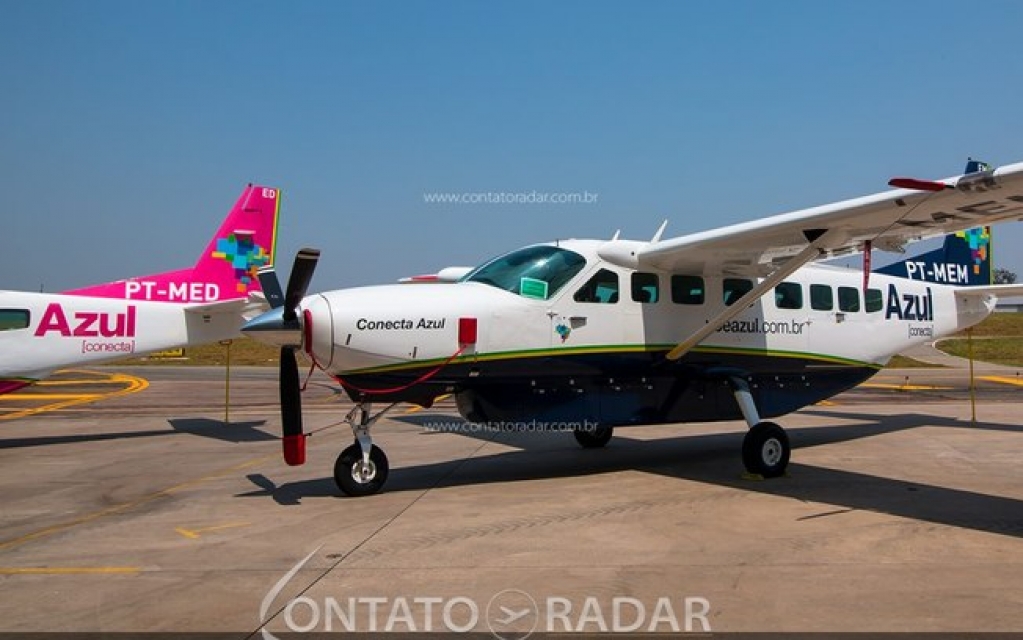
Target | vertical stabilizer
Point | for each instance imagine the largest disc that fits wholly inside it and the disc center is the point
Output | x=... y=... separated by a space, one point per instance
x=964 y=260
x=226 y=270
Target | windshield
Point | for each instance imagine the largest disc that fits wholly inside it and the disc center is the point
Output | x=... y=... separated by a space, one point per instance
x=534 y=272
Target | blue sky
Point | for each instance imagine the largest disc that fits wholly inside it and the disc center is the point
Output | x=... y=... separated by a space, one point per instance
x=129 y=128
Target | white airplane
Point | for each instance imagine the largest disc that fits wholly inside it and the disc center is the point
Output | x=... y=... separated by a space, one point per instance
x=736 y=322
x=41 y=332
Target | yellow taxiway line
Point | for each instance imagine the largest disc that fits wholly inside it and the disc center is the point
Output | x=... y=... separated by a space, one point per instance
x=903 y=387
x=134 y=384
x=1016 y=382
x=66 y=571
x=126 y=506
x=195 y=534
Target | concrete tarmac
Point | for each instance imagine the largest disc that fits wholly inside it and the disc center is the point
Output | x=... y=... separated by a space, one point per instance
x=140 y=509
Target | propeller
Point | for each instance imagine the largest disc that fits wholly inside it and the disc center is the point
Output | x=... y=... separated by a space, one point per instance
x=283 y=326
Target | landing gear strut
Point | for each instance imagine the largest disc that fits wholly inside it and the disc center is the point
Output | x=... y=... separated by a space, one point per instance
x=362 y=468
x=765 y=449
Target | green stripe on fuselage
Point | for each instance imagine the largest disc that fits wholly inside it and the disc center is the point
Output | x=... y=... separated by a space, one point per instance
x=600 y=349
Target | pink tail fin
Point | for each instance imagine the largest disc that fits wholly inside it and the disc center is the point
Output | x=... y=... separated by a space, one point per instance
x=226 y=270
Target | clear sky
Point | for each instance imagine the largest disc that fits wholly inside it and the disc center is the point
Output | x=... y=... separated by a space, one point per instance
x=129 y=128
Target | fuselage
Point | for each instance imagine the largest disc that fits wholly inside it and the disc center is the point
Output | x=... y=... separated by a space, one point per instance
x=43 y=332
x=561 y=332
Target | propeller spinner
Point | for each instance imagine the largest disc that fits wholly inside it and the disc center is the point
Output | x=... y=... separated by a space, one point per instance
x=282 y=325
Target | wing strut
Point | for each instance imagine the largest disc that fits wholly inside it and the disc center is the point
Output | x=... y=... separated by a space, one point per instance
x=813 y=250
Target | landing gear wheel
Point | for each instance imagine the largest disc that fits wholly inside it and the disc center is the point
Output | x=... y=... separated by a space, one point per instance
x=593 y=438
x=765 y=450
x=356 y=479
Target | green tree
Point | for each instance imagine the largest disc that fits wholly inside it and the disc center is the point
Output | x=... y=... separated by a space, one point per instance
x=1004 y=276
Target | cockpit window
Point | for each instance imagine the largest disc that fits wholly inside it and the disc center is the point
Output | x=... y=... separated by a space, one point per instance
x=534 y=272
x=13 y=319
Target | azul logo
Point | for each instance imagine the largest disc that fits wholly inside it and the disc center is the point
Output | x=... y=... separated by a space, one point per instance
x=978 y=240
x=564 y=331
x=909 y=306
x=244 y=255
x=87 y=324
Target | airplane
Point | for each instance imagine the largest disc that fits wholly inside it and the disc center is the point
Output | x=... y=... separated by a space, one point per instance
x=739 y=322
x=208 y=302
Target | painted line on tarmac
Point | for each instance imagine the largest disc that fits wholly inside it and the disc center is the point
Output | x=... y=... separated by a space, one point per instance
x=134 y=384
x=48 y=396
x=904 y=387
x=127 y=506
x=417 y=408
x=67 y=571
x=1016 y=382
x=195 y=534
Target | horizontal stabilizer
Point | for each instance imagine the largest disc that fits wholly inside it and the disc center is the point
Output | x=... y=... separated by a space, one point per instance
x=998 y=290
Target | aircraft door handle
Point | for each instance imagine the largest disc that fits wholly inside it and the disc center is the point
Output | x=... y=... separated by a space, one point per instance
x=577 y=321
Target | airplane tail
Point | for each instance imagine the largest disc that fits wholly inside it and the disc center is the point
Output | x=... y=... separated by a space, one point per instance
x=226 y=270
x=964 y=259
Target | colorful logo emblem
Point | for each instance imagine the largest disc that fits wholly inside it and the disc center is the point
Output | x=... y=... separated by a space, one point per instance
x=244 y=256
x=978 y=239
x=564 y=331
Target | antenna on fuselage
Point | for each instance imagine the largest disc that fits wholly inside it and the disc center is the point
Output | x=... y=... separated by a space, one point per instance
x=660 y=231
x=618 y=232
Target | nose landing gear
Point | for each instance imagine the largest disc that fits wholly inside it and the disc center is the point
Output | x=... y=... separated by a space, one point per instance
x=362 y=468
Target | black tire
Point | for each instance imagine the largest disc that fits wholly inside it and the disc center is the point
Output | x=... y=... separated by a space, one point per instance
x=593 y=438
x=347 y=473
x=766 y=450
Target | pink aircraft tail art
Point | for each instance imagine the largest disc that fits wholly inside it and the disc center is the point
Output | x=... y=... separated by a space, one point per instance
x=227 y=268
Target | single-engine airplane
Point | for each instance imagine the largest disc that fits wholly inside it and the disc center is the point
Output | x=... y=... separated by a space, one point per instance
x=736 y=322
x=41 y=332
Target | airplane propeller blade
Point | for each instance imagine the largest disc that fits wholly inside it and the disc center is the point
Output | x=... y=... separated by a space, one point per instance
x=282 y=326
x=301 y=275
x=271 y=286
x=291 y=408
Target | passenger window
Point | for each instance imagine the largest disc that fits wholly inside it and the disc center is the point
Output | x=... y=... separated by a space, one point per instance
x=788 y=295
x=687 y=289
x=875 y=300
x=602 y=288
x=11 y=319
x=645 y=287
x=735 y=288
x=848 y=299
x=822 y=297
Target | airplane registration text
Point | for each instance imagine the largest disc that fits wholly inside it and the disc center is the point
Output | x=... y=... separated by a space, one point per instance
x=171 y=291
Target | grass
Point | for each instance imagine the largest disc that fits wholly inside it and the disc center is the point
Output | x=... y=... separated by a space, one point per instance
x=1007 y=351
x=244 y=351
x=903 y=362
x=998 y=340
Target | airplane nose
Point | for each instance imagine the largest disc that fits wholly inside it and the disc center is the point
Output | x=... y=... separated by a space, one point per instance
x=274 y=329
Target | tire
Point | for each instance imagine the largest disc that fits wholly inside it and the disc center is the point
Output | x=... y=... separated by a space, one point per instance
x=347 y=473
x=766 y=450
x=593 y=439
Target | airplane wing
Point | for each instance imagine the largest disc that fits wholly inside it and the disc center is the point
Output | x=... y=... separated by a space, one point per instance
x=774 y=247
x=889 y=220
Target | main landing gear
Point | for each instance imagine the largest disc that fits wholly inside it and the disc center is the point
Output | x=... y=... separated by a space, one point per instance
x=765 y=449
x=362 y=468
